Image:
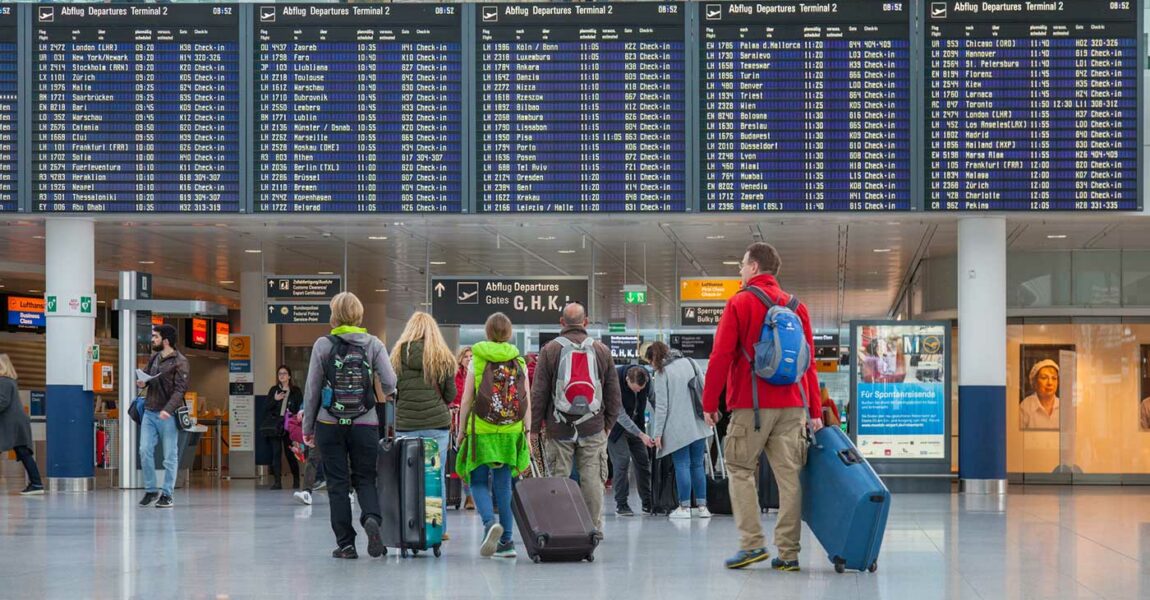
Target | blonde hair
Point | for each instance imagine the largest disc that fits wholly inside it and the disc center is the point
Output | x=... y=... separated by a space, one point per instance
x=6 y=368
x=438 y=361
x=463 y=350
x=498 y=327
x=346 y=309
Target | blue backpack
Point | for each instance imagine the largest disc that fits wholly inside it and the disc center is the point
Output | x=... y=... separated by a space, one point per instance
x=782 y=355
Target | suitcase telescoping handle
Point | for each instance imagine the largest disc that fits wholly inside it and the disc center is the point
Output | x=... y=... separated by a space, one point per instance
x=720 y=464
x=850 y=456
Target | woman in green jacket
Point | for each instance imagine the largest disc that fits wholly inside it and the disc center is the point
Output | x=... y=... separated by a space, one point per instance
x=495 y=450
x=425 y=385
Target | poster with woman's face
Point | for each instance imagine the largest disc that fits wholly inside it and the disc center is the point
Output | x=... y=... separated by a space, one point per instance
x=1039 y=406
x=1144 y=397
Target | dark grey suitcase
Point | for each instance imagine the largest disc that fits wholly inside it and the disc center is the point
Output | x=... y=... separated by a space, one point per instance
x=400 y=481
x=768 y=487
x=553 y=520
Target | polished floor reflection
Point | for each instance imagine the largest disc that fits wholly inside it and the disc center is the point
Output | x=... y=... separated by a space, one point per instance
x=237 y=542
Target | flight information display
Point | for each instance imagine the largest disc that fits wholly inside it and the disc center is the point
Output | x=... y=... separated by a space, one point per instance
x=135 y=108
x=805 y=106
x=359 y=108
x=581 y=107
x=1032 y=105
x=8 y=108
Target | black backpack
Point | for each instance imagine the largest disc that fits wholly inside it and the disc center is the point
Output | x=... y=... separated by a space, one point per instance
x=349 y=391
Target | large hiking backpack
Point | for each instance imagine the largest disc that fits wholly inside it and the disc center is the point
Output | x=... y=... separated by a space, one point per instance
x=349 y=390
x=578 y=391
x=501 y=397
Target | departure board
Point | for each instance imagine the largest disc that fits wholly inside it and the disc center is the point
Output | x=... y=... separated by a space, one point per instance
x=9 y=104
x=136 y=109
x=805 y=106
x=581 y=107
x=1032 y=105
x=359 y=108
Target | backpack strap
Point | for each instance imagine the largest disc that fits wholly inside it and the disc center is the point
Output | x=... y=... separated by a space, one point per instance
x=329 y=365
x=793 y=305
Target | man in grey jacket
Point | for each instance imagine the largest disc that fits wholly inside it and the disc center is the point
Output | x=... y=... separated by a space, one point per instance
x=168 y=370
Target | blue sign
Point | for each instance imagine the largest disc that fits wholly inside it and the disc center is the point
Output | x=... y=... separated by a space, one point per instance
x=239 y=366
x=36 y=402
x=21 y=318
x=901 y=409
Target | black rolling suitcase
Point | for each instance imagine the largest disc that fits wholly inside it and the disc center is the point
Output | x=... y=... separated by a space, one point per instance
x=401 y=480
x=553 y=519
x=768 y=487
x=454 y=483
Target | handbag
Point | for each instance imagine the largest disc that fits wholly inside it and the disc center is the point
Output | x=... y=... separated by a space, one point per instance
x=183 y=418
x=136 y=409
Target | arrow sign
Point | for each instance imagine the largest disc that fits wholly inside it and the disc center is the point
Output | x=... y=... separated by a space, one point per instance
x=303 y=287
x=439 y=289
x=526 y=300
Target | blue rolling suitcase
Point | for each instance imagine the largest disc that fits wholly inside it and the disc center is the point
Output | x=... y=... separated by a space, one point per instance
x=844 y=502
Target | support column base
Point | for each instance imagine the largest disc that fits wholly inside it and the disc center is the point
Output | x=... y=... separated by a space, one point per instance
x=982 y=486
x=71 y=485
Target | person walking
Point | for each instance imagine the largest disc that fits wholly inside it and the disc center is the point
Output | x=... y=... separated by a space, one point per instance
x=628 y=444
x=763 y=415
x=679 y=432
x=425 y=387
x=462 y=362
x=284 y=398
x=577 y=397
x=493 y=442
x=166 y=385
x=16 y=427
x=340 y=419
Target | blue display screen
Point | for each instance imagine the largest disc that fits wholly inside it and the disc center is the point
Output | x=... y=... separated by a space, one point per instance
x=581 y=107
x=136 y=109
x=1032 y=107
x=805 y=106
x=359 y=108
x=9 y=103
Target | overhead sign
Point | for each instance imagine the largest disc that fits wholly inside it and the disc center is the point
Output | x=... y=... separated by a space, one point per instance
x=693 y=345
x=693 y=289
x=223 y=332
x=623 y=347
x=302 y=287
x=143 y=286
x=707 y=316
x=26 y=312
x=636 y=297
x=298 y=314
x=826 y=340
x=198 y=333
x=617 y=327
x=525 y=300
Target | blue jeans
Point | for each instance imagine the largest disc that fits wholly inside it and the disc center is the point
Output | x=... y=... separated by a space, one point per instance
x=689 y=472
x=499 y=490
x=153 y=429
x=443 y=438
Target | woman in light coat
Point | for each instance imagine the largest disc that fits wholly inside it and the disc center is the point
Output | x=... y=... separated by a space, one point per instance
x=679 y=431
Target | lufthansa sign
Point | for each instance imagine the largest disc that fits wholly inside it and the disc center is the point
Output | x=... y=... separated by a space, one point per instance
x=525 y=300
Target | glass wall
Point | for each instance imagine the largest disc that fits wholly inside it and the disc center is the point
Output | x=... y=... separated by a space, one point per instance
x=1078 y=401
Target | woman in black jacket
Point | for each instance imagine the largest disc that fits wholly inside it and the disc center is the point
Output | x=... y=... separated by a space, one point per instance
x=284 y=398
x=15 y=427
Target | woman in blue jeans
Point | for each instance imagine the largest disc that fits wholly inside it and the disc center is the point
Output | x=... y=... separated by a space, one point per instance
x=492 y=439
x=680 y=430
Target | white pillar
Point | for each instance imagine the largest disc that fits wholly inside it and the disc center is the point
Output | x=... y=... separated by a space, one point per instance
x=253 y=322
x=70 y=274
x=982 y=354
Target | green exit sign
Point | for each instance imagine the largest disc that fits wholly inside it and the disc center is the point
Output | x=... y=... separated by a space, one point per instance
x=635 y=297
x=616 y=327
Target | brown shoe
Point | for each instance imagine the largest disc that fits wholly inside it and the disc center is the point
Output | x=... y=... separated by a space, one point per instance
x=469 y=504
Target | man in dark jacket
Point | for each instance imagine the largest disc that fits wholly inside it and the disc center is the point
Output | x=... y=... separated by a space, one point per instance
x=628 y=442
x=168 y=380
x=775 y=425
x=583 y=443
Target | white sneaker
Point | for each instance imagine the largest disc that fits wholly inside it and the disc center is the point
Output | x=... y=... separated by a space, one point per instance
x=701 y=513
x=681 y=513
x=303 y=497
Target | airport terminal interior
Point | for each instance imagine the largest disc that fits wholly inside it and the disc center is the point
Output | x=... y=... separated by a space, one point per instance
x=957 y=192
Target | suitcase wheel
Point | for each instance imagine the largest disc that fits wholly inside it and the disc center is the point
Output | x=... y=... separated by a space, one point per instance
x=536 y=559
x=590 y=558
x=840 y=565
x=437 y=551
x=872 y=568
x=403 y=552
x=541 y=540
x=415 y=553
x=384 y=551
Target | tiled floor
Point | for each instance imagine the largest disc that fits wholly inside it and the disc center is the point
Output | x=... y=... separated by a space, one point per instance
x=236 y=542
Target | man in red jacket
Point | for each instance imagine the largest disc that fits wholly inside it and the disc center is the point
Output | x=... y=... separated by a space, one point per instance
x=781 y=420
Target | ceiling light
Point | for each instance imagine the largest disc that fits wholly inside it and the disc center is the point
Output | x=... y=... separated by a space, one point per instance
x=1056 y=236
x=147 y=262
x=37 y=237
x=35 y=291
x=3 y=286
x=253 y=251
x=326 y=273
x=600 y=273
x=226 y=282
x=731 y=263
x=377 y=238
x=439 y=263
x=881 y=250
x=382 y=291
x=545 y=238
x=101 y=302
x=566 y=252
x=425 y=304
x=716 y=237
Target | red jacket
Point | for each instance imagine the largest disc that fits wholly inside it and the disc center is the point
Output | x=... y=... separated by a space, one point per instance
x=728 y=367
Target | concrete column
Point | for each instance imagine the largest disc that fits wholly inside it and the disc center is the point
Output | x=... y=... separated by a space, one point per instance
x=70 y=270
x=982 y=354
x=253 y=322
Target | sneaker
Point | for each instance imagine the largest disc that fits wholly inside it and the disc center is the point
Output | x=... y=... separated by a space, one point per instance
x=303 y=497
x=320 y=485
x=345 y=552
x=277 y=485
x=149 y=498
x=647 y=511
x=785 y=565
x=33 y=490
x=374 y=541
x=747 y=557
x=469 y=504
x=681 y=513
x=491 y=540
x=701 y=513
x=505 y=550
x=165 y=502
x=624 y=511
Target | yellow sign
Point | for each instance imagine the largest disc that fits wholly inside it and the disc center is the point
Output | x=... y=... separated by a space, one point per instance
x=708 y=290
x=830 y=365
x=240 y=347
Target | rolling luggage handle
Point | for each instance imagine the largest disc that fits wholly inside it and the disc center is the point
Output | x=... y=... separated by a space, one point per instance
x=719 y=465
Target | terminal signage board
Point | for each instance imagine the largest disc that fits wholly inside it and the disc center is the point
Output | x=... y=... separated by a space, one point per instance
x=700 y=289
x=9 y=106
x=26 y=312
x=287 y=313
x=303 y=287
x=704 y=316
x=623 y=347
x=693 y=345
x=525 y=300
